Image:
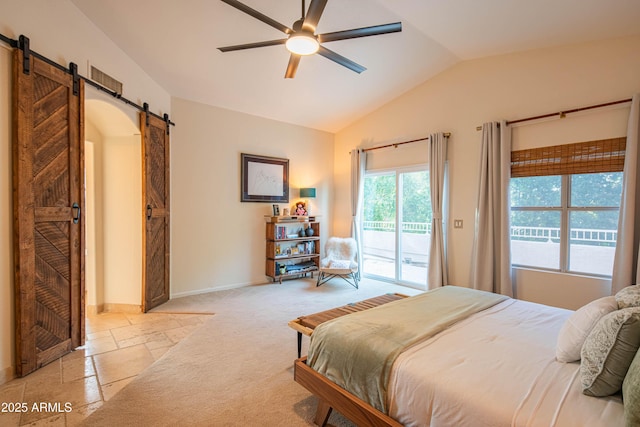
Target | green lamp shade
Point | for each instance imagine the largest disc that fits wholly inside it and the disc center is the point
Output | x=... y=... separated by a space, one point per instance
x=308 y=192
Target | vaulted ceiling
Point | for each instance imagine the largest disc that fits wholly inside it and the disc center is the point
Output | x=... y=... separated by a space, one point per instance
x=176 y=42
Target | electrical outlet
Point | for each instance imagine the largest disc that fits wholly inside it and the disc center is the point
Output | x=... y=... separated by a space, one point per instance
x=457 y=223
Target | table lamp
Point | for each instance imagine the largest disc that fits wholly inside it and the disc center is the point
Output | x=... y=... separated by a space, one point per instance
x=308 y=193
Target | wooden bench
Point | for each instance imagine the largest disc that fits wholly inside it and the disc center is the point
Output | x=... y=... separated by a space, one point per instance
x=306 y=324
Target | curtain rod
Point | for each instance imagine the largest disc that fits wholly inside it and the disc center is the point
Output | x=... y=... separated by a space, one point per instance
x=395 y=145
x=17 y=45
x=562 y=114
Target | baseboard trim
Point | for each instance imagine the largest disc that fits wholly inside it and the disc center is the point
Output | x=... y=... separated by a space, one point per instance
x=92 y=310
x=7 y=374
x=121 y=308
x=214 y=289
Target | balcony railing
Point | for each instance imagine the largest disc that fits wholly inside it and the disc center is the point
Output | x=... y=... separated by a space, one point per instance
x=586 y=235
x=407 y=227
x=592 y=250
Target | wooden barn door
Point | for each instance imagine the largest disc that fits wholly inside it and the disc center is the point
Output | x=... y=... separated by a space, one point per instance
x=48 y=212
x=155 y=189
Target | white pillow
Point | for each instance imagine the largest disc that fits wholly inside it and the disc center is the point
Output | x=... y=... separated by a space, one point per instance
x=577 y=327
x=344 y=264
x=628 y=297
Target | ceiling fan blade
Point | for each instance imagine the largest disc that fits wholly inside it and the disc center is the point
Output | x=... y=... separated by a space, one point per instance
x=259 y=16
x=313 y=15
x=252 y=45
x=360 y=32
x=339 y=59
x=294 y=60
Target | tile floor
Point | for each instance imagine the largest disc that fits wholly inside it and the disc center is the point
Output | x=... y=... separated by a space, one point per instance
x=118 y=347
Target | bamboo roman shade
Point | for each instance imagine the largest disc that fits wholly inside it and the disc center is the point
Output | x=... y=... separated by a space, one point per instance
x=605 y=155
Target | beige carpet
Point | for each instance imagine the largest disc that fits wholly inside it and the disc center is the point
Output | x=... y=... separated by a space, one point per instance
x=237 y=368
x=193 y=304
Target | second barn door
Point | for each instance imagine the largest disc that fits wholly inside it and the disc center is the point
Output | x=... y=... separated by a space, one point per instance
x=155 y=189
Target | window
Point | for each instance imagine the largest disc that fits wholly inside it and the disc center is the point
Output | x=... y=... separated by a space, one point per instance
x=562 y=218
x=567 y=223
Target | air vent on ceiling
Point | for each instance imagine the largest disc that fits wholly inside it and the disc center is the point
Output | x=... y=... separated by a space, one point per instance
x=106 y=80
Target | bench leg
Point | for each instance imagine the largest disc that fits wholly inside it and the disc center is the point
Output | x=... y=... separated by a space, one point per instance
x=299 y=344
x=322 y=413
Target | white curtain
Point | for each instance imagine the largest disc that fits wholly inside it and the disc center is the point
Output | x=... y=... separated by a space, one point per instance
x=358 y=167
x=437 y=256
x=625 y=262
x=491 y=263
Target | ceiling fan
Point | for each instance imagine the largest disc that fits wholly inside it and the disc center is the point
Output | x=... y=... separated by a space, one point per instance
x=302 y=40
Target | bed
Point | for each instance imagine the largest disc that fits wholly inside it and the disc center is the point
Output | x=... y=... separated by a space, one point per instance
x=496 y=366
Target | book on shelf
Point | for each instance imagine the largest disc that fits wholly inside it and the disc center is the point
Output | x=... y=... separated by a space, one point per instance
x=301 y=266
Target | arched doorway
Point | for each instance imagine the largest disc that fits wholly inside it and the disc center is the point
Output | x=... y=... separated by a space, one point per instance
x=113 y=176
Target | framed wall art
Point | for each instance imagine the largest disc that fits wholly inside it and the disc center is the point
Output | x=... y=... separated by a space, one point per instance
x=264 y=179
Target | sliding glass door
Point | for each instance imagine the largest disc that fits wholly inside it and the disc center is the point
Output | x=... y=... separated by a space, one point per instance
x=379 y=225
x=397 y=225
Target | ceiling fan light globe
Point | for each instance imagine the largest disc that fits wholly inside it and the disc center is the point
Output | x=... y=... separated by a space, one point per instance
x=302 y=44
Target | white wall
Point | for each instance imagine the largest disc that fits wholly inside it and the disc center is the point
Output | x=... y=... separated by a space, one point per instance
x=59 y=31
x=503 y=87
x=91 y=262
x=217 y=242
x=113 y=269
x=122 y=220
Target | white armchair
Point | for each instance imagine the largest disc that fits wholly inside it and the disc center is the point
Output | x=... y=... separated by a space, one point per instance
x=341 y=260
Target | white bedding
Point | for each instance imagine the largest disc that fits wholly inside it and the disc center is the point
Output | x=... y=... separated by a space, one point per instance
x=496 y=368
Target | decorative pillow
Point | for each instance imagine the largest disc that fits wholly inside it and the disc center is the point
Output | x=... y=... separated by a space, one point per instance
x=608 y=352
x=628 y=297
x=631 y=393
x=340 y=263
x=578 y=325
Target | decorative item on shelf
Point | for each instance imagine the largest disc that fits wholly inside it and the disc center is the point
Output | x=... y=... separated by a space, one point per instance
x=283 y=269
x=301 y=232
x=309 y=231
x=285 y=211
x=300 y=209
x=276 y=210
x=308 y=193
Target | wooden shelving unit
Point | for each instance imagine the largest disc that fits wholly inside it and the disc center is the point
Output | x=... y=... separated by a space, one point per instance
x=285 y=248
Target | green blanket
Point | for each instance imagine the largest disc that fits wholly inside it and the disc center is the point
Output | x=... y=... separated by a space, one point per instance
x=357 y=351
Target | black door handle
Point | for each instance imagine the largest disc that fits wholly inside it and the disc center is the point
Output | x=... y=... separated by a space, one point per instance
x=76 y=213
x=149 y=212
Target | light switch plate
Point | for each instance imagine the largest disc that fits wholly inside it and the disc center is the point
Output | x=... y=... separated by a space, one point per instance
x=457 y=223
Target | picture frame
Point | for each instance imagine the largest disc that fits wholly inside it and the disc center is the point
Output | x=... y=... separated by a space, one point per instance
x=264 y=179
x=276 y=210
